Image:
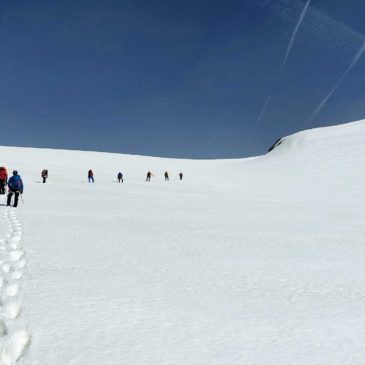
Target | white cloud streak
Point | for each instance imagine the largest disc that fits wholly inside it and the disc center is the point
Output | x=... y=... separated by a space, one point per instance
x=287 y=53
x=267 y=101
x=354 y=61
x=294 y=35
x=320 y=25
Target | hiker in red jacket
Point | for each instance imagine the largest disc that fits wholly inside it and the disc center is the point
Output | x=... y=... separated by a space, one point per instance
x=3 y=179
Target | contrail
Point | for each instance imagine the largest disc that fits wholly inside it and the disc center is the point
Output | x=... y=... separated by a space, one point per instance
x=294 y=35
x=325 y=100
x=335 y=34
x=287 y=53
x=264 y=108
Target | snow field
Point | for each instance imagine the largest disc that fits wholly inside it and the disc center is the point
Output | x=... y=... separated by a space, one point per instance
x=248 y=261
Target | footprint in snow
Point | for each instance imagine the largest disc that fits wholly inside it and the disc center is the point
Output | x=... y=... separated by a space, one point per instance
x=12 y=310
x=16 y=275
x=11 y=290
x=14 y=348
x=16 y=255
x=6 y=268
x=21 y=263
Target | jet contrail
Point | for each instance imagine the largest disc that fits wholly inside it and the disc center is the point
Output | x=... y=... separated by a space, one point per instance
x=325 y=100
x=264 y=108
x=287 y=53
x=294 y=35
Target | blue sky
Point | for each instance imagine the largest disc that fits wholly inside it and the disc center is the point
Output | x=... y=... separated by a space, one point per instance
x=179 y=79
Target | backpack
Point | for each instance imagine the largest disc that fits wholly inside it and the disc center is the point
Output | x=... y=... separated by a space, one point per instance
x=3 y=173
x=15 y=183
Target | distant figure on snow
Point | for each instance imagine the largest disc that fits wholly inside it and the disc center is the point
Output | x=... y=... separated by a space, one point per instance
x=15 y=185
x=181 y=175
x=120 y=177
x=166 y=176
x=90 y=176
x=3 y=179
x=148 y=177
x=44 y=175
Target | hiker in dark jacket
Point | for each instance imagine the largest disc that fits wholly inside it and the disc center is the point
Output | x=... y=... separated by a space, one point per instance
x=181 y=175
x=44 y=175
x=166 y=176
x=3 y=180
x=148 y=177
x=120 y=177
x=90 y=176
x=15 y=186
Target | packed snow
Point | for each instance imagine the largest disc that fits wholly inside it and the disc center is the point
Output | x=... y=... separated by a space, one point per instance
x=245 y=261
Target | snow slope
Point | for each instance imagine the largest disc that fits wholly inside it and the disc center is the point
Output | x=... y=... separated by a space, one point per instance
x=247 y=261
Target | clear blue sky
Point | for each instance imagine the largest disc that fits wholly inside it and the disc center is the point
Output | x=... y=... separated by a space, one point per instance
x=176 y=78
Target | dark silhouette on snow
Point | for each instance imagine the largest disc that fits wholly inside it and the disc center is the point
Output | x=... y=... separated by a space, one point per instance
x=166 y=176
x=120 y=177
x=44 y=175
x=278 y=142
x=181 y=175
x=148 y=177
x=90 y=176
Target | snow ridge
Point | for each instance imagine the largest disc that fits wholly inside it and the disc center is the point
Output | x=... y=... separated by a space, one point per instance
x=14 y=338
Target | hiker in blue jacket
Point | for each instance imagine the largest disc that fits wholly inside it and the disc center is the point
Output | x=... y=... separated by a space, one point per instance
x=15 y=186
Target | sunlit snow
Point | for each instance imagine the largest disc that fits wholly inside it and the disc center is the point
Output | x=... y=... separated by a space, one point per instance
x=246 y=261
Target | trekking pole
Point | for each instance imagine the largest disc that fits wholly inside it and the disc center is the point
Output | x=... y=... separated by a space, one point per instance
x=21 y=196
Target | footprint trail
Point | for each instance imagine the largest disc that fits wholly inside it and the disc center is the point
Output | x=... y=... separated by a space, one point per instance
x=14 y=337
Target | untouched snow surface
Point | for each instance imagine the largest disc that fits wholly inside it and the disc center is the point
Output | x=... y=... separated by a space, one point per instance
x=247 y=261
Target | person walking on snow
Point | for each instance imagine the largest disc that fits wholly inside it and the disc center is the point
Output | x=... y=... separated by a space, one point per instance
x=90 y=176
x=166 y=176
x=44 y=175
x=3 y=180
x=120 y=177
x=181 y=175
x=148 y=177
x=15 y=186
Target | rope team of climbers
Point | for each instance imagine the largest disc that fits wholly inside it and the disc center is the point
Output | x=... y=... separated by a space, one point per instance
x=90 y=176
x=16 y=187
